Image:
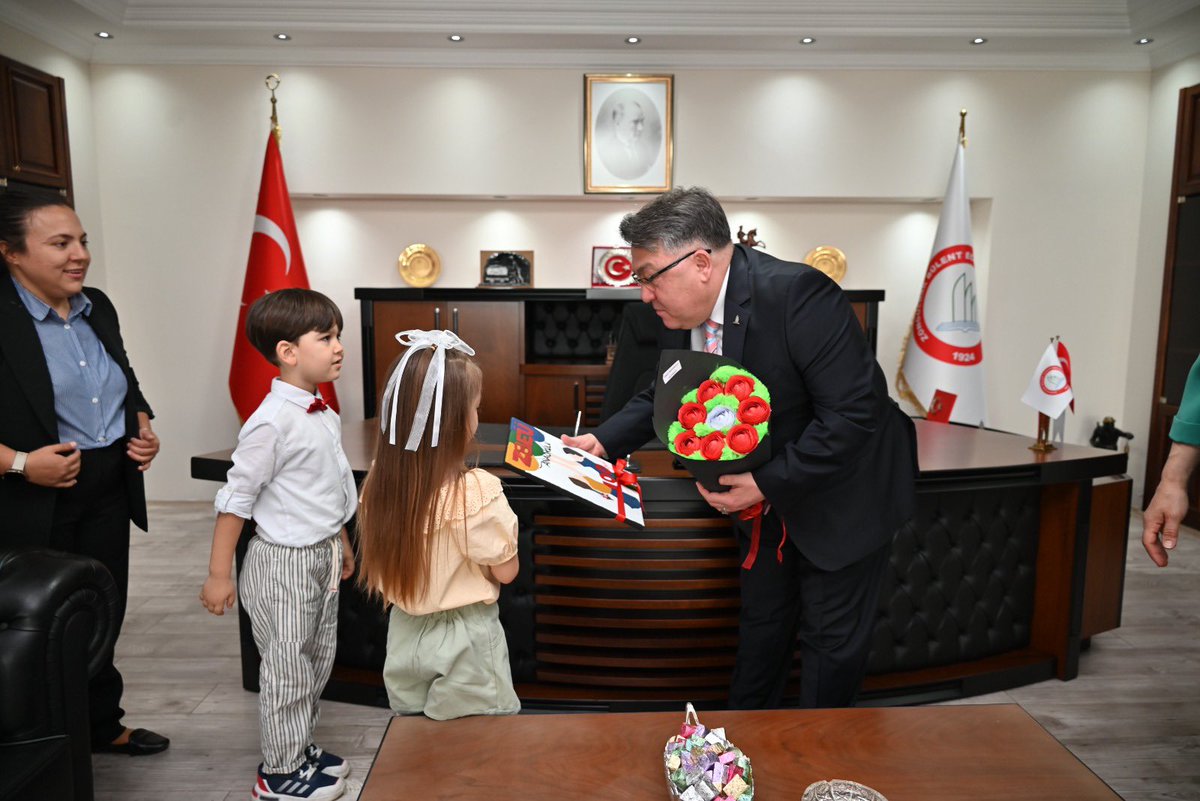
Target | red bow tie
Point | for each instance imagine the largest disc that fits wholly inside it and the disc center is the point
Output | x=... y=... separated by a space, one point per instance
x=318 y=405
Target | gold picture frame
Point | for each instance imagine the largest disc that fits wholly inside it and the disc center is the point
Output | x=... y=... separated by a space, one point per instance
x=628 y=133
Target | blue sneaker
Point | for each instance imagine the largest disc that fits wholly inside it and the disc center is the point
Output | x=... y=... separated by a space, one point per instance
x=306 y=782
x=327 y=763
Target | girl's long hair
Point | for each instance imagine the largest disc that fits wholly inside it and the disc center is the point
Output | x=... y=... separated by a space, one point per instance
x=400 y=508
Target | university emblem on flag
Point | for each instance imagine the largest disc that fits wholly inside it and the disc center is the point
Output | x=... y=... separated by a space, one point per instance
x=1054 y=381
x=946 y=325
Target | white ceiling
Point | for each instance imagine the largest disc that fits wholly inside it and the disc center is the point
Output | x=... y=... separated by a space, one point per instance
x=589 y=34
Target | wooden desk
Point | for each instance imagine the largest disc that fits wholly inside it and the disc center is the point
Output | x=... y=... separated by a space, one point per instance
x=1013 y=560
x=964 y=753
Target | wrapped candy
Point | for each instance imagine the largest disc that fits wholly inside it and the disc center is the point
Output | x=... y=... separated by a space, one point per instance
x=702 y=765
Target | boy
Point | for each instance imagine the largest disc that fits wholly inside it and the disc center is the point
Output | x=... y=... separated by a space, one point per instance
x=291 y=476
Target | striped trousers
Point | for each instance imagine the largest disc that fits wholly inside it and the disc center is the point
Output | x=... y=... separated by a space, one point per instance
x=291 y=596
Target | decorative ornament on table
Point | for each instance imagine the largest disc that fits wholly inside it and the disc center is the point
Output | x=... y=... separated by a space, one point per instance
x=749 y=238
x=612 y=266
x=702 y=765
x=713 y=414
x=506 y=268
x=840 y=790
x=419 y=265
x=828 y=260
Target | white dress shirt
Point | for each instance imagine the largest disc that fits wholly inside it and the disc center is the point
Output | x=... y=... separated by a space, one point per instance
x=717 y=316
x=289 y=471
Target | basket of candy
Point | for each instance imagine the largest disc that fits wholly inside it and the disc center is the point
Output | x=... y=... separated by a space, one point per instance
x=702 y=765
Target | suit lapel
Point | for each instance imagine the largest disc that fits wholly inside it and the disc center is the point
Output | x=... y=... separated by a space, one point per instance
x=23 y=351
x=737 y=306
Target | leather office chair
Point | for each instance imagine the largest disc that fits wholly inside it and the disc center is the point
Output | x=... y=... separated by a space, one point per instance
x=636 y=357
x=57 y=621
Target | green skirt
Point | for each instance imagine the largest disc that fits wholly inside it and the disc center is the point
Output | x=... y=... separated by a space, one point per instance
x=449 y=664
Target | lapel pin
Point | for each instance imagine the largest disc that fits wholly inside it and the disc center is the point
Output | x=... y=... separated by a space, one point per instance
x=737 y=319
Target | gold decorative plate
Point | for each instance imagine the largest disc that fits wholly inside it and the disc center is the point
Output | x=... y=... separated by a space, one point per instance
x=828 y=260
x=420 y=265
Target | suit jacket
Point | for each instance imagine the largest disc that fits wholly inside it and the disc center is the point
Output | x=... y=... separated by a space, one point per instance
x=28 y=421
x=843 y=455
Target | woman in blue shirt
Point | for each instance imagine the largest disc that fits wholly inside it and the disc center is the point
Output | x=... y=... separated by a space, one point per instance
x=75 y=433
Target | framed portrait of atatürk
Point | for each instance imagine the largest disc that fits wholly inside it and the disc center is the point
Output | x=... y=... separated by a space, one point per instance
x=627 y=133
x=505 y=269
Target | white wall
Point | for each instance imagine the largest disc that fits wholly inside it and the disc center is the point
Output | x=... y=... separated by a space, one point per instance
x=1056 y=162
x=77 y=85
x=1145 y=291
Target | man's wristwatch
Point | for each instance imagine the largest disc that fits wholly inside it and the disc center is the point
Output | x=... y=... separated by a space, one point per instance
x=18 y=465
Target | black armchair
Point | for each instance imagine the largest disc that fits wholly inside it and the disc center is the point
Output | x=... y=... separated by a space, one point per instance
x=57 y=620
x=636 y=357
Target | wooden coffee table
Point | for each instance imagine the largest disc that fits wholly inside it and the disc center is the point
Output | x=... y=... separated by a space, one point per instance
x=965 y=753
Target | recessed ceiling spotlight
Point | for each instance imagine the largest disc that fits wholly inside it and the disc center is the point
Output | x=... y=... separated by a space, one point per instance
x=103 y=35
x=807 y=40
x=978 y=40
x=454 y=37
x=283 y=37
x=632 y=40
x=1144 y=40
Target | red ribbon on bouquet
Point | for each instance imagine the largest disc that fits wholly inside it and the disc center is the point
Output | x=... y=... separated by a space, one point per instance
x=756 y=513
x=621 y=478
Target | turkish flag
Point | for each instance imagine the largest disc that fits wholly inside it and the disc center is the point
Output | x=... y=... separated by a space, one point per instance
x=275 y=263
x=1064 y=358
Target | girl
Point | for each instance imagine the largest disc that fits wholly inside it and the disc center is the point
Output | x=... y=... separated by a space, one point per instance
x=437 y=539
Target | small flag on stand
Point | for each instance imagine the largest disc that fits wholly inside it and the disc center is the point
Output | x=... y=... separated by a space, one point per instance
x=943 y=374
x=1049 y=389
x=1064 y=358
x=275 y=263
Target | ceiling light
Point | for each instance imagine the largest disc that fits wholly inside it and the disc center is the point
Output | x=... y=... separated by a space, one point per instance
x=978 y=40
x=632 y=40
x=1144 y=40
x=103 y=35
x=807 y=40
x=454 y=37
x=283 y=37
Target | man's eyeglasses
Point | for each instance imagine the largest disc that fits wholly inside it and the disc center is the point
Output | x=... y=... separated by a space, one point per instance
x=645 y=280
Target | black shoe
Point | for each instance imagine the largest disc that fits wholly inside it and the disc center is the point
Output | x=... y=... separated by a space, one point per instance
x=142 y=742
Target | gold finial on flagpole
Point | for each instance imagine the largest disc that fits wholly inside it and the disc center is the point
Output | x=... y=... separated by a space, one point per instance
x=272 y=83
x=962 y=127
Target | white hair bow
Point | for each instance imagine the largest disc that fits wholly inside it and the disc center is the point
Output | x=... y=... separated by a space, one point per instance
x=435 y=379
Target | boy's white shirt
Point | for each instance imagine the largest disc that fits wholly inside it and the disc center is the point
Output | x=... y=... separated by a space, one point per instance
x=289 y=471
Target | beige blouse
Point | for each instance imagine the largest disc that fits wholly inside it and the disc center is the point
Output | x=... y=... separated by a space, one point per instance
x=479 y=530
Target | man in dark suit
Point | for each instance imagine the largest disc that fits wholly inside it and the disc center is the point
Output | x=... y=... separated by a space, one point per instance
x=840 y=480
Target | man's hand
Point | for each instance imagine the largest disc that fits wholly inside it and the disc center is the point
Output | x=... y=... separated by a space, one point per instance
x=53 y=465
x=586 y=442
x=743 y=492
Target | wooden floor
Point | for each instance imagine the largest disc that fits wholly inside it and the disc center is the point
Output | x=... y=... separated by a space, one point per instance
x=1132 y=716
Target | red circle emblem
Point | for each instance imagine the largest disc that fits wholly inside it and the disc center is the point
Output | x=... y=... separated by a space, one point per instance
x=1053 y=381
x=960 y=305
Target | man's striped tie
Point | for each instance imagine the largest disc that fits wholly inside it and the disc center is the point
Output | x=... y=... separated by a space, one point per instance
x=712 y=342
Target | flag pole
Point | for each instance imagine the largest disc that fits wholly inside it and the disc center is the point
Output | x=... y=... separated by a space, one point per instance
x=1043 y=444
x=272 y=83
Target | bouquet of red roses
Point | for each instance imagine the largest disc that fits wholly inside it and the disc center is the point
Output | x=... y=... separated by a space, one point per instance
x=712 y=413
x=722 y=419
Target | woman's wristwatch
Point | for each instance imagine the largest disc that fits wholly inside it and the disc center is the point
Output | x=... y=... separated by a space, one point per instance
x=18 y=465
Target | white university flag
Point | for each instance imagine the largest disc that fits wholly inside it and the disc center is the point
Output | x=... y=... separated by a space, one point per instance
x=1049 y=389
x=941 y=369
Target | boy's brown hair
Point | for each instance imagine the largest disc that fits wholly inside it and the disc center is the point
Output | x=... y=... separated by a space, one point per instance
x=286 y=315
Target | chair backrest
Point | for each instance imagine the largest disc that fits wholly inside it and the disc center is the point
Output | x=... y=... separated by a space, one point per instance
x=635 y=359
